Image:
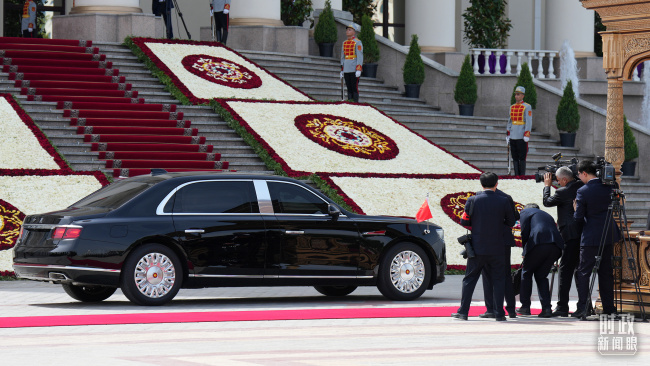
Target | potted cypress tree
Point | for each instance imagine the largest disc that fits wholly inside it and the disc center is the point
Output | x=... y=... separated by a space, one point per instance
x=370 y=47
x=567 y=118
x=525 y=79
x=631 y=150
x=465 y=93
x=413 y=70
x=325 y=33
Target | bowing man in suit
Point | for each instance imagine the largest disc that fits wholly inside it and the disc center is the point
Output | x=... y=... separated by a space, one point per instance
x=591 y=215
x=486 y=213
x=542 y=245
x=509 y=241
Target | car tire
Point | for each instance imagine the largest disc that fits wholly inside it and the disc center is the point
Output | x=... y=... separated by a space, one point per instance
x=88 y=293
x=151 y=275
x=335 y=290
x=404 y=272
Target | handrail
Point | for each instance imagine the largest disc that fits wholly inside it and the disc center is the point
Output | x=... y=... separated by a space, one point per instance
x=531 y=55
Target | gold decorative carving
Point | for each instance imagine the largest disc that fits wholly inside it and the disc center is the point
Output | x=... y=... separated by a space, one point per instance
x=614 y=152
x=634 y=45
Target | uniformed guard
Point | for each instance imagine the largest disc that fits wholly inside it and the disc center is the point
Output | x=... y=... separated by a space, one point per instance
x=220 y=10
x=28 y=22
x=518 y=130
x=351 y=62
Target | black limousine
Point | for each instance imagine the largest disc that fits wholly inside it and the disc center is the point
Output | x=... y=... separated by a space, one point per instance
x=151 y=235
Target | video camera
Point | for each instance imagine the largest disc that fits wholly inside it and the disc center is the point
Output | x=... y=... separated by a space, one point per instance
x=466 y=241
x=571 y=164
x=605 y=171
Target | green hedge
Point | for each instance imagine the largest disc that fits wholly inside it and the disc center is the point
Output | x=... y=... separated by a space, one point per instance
x=466 y=90
x=567 y=117
x=413 y=70
x=325 y=31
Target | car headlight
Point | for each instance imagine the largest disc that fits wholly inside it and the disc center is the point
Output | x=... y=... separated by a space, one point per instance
x=441 y=234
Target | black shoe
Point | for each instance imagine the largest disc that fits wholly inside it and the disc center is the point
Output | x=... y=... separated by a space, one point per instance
x=578 y=314
x=501 y=319
x=512 y=313
x=560 y=312
x=546 y=313
x=486 y=315
x=523 y=310
x=459 y=316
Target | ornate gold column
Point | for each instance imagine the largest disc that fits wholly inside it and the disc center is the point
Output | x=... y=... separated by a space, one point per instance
x=614 y=151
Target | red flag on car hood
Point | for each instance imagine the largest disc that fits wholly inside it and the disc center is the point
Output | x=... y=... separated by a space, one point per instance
x=424 y=213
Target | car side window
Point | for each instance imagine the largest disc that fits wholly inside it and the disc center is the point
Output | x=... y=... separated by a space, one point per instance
x=292 y=199
x=216 y=197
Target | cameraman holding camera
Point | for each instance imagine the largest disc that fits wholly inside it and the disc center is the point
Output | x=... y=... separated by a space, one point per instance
x=591 y=215
x=486 y=213
x=563 y=199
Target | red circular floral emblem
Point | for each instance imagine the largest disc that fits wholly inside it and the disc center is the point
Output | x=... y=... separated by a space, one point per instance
x=10 y=221
x=346 y=136
x=454 y=205
x=221 y=71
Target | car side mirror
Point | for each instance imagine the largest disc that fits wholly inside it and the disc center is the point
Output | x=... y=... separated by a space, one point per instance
x=333 y=211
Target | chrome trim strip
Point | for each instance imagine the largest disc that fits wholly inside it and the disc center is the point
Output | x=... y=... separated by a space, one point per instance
x=223 y=276
x=161 y=206
x=263 y=197
x=336 y=277
x=283 y=276
x=48 y=226
x=294 y=232
x=69 y=268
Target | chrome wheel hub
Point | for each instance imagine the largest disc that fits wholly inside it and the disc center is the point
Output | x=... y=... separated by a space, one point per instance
x=155 y=275
x=407 y=271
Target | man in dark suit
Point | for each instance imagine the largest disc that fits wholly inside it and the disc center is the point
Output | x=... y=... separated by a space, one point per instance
x=509 y=292
x=542 y=245
x=563 y=199
x=486 y=213
x=591 y=215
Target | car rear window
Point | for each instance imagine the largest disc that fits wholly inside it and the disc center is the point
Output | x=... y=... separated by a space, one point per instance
x=114 y=195
x=217 y=197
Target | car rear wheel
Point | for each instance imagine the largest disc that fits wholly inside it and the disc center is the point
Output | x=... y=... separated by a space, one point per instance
x=88 y=293
x=335 y=290
x=404 y=272
x=151 y=275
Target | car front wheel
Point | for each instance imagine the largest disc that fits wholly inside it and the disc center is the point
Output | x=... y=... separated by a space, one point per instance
x=404 y=272
x=151 y=275
x=88 y=293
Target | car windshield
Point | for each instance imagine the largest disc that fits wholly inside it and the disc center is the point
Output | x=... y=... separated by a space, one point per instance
x=114 y=195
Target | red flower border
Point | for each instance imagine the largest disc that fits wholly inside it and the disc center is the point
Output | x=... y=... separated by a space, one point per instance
x=7 y=274
x=296 y=173
x=391 y=152
x=40 y=136
x=140 y=42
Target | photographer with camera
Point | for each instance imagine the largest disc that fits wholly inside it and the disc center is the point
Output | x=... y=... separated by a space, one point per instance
x=591 y=215
x=563 y=198
x=542 y=245
x=485 y=215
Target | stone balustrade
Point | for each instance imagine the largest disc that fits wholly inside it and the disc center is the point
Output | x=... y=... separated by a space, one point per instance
x=500 y=62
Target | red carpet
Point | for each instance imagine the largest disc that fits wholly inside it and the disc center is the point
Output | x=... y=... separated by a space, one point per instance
x=131 y=135
x=233 y=316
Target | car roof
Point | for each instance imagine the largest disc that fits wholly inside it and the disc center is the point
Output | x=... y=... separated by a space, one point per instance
x=199 y=175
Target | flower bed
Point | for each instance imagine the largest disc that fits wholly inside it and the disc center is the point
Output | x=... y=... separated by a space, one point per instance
x=360 y=139
x=33 y=177
x=203 y=71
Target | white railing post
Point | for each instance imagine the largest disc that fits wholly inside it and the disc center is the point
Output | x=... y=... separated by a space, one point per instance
x=551 y=69
x=519 y=55
x=476 y=53
x=635 y=74
x=540 y=68
x=497 y=68
x=508 y=66
x=531 y=57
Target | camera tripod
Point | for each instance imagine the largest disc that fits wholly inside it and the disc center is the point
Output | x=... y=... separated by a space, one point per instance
x=616 y=209
x=180 y=14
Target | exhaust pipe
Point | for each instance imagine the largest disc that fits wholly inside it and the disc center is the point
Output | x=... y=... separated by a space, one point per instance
x=56 y=276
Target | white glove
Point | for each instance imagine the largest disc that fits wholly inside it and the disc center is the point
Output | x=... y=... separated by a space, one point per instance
x=526 y=139
x=341 y=74
x=226 y=11
x=358 y=73
x=507 y=139
x=211 y=12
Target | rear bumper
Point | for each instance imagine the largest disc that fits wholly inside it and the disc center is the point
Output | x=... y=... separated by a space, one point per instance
x=68 y=274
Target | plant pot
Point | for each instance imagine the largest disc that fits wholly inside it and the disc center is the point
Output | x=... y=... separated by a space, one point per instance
x=466 y=109
x=369 y=70
x=412 y=90
x=628 y=168
x=567 y=139
x=326 y=49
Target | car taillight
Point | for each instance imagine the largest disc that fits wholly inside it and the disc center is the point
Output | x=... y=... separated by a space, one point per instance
x=66 y=233
x=20 y=235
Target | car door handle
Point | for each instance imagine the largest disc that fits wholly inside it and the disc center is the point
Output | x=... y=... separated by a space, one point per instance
x=294 y=232
x=194 y=231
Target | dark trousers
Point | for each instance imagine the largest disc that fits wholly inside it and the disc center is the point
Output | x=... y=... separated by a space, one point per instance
x=509 y=292
x=519 y=151
x=493 y=264
x=221 y=21
x=167 y=17
x=568 y=265
x=352 y=82
x=538 y=263
x=605 y=277
x=28 y=34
